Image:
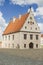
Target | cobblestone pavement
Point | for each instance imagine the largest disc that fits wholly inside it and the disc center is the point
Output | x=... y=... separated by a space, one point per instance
x=6 y=59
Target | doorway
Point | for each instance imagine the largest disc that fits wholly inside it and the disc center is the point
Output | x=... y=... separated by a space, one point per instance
x=31 y=45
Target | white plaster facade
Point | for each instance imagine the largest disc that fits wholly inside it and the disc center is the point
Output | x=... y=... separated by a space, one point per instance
x=19 y=40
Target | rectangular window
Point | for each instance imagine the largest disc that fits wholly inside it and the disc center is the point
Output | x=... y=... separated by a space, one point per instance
x=31 y=36
x=13 y=37
x=36 y=37
x=12 y=45
x=36 y=45
x=24 y=45
x=9 y=37
x=25 y=36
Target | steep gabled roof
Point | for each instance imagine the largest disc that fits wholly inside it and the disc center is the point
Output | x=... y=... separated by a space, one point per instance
x=15 y=26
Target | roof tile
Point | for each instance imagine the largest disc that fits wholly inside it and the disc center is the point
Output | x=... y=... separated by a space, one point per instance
x=16 y=25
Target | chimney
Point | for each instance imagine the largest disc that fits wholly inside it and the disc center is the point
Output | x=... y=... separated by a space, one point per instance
x=14 y=19
x=19 y=16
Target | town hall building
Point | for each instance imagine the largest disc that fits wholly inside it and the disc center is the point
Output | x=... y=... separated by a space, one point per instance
x=22 y=33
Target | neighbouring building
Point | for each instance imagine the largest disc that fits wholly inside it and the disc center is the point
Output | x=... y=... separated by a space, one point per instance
x=42 y=39
x=22 y=33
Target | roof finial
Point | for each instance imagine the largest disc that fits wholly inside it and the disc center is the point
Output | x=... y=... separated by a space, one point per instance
x=30 y=8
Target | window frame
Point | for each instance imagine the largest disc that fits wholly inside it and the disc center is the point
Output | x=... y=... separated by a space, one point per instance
x=24 y=45
x=36 y=37
x=13 y=37
x=25 y=36
x=31 y=36
x=9 y=37
x=36 y=45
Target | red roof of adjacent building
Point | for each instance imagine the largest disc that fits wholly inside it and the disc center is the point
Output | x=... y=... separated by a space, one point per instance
x=41 y=35
x=16 y=25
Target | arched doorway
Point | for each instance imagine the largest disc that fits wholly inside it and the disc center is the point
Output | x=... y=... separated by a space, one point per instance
x=31 y=45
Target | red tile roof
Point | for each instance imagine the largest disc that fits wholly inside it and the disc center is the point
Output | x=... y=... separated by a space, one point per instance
x=41 y=35
x=15 y=26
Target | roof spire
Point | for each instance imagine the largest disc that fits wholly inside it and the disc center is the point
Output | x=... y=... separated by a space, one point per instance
x=30 y=8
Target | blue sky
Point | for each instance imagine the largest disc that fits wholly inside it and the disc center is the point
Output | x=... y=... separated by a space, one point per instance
x=13 y=8
x=10 y=10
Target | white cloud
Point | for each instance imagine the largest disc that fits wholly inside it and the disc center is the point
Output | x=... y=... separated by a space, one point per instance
x=2 y=2
x=3 y=24
x=39 y=11
x=41 y=26
x=25 y=2
x=35 y=13
x=31 y=9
